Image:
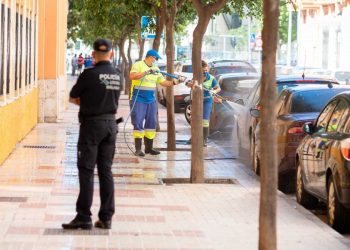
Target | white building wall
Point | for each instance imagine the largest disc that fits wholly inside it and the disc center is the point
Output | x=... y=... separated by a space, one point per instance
x=314 y=50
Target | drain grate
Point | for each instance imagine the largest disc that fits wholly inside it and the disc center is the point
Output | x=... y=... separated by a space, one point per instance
x=170 y=181
x=39 y=146
x=58 y=231
x=177 y=149
x=13 y=199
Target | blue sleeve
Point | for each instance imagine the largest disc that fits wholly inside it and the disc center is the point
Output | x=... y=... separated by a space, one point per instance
x=214 y=83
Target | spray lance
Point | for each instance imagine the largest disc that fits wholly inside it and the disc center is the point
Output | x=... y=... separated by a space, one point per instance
x=174 y=76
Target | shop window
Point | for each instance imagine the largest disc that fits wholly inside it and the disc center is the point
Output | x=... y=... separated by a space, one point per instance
x=8 y=50
x=2 y=48
x=30 y=52
x=20 y=50
x=16 y=51
x=34 y=73
x=27 y=54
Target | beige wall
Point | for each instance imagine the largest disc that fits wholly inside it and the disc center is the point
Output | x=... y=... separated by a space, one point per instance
x=51 y=54
x=43 y=95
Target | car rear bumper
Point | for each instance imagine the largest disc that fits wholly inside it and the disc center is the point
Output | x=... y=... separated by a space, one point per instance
x=287 y=163
x=179 y=101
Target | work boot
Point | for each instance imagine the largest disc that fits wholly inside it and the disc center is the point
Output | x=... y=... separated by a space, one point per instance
x=107 y=224
x=138 y=145
x=205 y=136
x=149 y=147
x=77 y=224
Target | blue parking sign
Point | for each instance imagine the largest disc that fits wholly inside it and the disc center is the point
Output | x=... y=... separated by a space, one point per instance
x=252 y=37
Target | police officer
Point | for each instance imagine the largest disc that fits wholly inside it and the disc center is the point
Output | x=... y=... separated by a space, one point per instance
x=210 y=86
x=97 y=92
x=145 y=76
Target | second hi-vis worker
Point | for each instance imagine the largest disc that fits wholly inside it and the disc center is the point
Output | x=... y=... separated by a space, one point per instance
x=145 y=76
x=209 y=84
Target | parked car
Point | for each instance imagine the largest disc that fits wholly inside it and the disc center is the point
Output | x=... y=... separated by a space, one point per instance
x=294 y=107
x=233 y=86
x=323 y=162
x=341 y=75
x=246 y=123
x=235 y=66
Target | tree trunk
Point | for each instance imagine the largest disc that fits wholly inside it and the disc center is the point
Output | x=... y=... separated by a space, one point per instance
x=160 y=21
x=197 y=159
x=268 y=171
x=121 y=44
x=204 y=13
x=142 y=48
x=169 y=14
x=156 y=43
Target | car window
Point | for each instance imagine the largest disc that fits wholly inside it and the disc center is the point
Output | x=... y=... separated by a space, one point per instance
x=231 y=69
x=336 y=122
x=256 y=97
x=252 y=93
x=187 y=68
x=287 y=84
x=311 y=101
x=281 y=103
x=231 y=84
x=323 y=118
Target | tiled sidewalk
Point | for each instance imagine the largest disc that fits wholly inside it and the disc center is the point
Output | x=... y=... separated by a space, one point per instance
x=39 y=186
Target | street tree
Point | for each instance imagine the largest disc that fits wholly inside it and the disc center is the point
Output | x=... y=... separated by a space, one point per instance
x=268 y=170
x=205 y=11
x=171 y=10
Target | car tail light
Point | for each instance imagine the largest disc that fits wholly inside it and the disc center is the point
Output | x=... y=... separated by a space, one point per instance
x=296 y=128
x=179 y=97
x=345 y=149
x=295 y=133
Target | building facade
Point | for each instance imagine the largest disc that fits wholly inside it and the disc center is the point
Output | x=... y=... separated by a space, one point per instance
x=32 y=66
x=324 y=33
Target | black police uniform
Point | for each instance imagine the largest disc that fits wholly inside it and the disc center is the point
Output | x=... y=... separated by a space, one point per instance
x=98 y=89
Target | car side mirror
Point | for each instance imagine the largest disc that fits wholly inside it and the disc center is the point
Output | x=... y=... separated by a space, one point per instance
x=239 y=101
x=255 y=113
x=308 y=128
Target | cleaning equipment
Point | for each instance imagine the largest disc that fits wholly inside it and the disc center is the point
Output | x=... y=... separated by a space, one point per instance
x=183 y=78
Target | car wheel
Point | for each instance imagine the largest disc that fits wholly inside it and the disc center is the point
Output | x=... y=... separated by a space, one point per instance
x=337 y=215
x=188 y=113
x=303 y=197
x=254 y=156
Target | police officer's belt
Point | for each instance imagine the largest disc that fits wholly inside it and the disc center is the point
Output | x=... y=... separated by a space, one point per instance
x=99 y=117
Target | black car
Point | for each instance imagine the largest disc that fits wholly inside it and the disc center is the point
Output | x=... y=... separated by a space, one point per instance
x=323 y=162
x=294 y=107
x=246 y=123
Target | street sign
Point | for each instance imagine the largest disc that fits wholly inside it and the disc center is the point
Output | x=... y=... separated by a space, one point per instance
x=145 y=27
x=252 y=38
